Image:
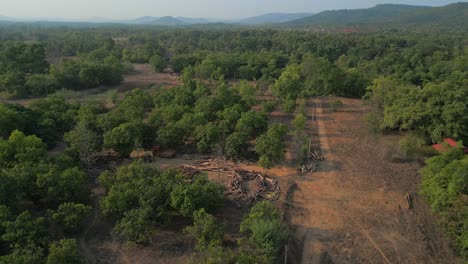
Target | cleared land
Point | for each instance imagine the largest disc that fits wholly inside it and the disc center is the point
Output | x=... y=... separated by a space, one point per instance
x=353 y=210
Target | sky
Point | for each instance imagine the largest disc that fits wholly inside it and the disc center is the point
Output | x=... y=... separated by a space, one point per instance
x=220 y=9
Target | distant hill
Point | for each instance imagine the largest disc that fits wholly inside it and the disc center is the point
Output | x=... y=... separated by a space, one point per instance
x=273 y=18
x=143 y=20
x=6 y=18
x=167 y=21
x=189 y=20
x=389 y=15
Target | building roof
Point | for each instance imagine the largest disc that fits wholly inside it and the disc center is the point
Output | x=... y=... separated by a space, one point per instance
x=450 y=143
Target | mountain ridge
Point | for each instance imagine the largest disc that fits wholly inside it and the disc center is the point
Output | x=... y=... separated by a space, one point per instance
x=388 y=14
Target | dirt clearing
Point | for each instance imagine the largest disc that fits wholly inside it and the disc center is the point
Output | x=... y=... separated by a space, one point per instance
x=352 y=210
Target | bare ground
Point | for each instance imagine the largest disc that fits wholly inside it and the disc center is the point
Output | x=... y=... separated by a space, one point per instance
x=353 y=209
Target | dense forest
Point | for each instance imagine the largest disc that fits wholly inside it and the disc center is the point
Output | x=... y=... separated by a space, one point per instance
x=415 y=83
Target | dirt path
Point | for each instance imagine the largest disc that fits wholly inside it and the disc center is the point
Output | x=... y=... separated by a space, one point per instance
x=352 y=210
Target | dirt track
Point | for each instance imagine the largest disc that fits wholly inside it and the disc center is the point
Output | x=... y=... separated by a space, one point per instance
x=353 y=209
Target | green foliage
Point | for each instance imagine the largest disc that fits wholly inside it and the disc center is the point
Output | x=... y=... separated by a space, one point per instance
x=270 y=146
x=25 y=232
x=237 y=145
x=188 y=198
x=252 y=123
x=84 y=74
x=15 y=117
x=445 y=187
x=260 y=211
x=18 y=62
x=158 y=63
x=69 y=185
x=289 y=84
x=136 y=225
x=411 y=146
x=335 y=105
x=419 y=110
x=208 y=137
x=248 y=93
x=8 y=189
x=205 y=229
x=70 y=215
x=125 y=138
x=299 y=122
x=55 y=116
x=64 y=251
x=139 y=196
x=20 y=148
x=84 y=140
x=266 y=234
x=269 y=106
x=30 y=254
x=289 y=106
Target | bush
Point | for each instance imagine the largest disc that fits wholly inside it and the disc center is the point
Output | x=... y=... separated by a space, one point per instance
x=411 y=146
x=205 y=229
x=65 y=251
x=335 y=105
x=289 y=106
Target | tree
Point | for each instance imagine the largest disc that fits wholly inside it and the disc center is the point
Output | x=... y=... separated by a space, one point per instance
x=41 y=84
x=187 y=198
x=15 y=117
x=125 y=138
x=31 y=255
x=25 y=232
x=8 y=189
x=205 y=229
x=158 y=63
x=289 y=83
x=69 y=185
x=70 y=215
x=136 y=225
x=445 y=187
x=64 y=251
x=266 y=232
x=20 y=148
x=247 y=92
x=289 y=106
x=270 y=146
x=299 y=122
x=208 y=136
x=237 y=145
x=252 y=123
x=84 y=140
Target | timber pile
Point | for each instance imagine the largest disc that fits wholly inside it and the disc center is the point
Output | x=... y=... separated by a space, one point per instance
x=312 y=162
x=189 y=171
x=264 y=187
x=245 y=184
x=315 y=155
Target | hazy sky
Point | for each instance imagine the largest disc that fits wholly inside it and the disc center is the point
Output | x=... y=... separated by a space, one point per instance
x=122 y=9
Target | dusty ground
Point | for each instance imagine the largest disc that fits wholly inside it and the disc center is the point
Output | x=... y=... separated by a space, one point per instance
x=353 y=209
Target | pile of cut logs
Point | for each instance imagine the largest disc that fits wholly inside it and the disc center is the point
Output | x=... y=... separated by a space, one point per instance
x=312 y=162
x=262 y=187
x=265 y=187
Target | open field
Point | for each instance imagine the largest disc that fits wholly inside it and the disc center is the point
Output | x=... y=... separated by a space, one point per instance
x=353 y=210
